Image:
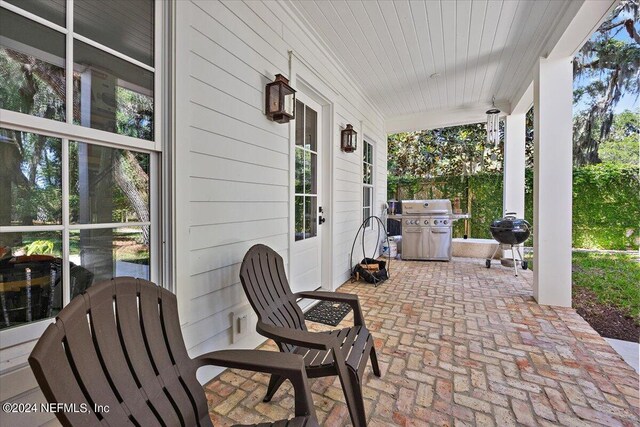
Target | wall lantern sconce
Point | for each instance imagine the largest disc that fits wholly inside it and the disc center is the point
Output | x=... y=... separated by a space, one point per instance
x=493 y=124
x=280 y=100
x=349 y=139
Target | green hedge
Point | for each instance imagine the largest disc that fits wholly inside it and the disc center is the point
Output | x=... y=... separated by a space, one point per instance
x=606 y=202
x=606 y=206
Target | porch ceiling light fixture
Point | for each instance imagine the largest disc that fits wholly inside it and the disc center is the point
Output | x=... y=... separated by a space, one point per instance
x=349 y=139
x=280 y=100
x=493 y=124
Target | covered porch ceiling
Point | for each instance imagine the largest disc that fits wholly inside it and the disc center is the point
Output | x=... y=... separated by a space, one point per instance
x=426 y=64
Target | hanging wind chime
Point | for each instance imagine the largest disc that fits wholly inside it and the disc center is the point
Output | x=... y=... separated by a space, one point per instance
x=493 y=124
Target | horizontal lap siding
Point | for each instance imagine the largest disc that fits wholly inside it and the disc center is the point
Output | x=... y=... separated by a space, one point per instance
x=347 y=204
x=235 y=162
x=232 y=173
x=19 y=386
x=237 y=167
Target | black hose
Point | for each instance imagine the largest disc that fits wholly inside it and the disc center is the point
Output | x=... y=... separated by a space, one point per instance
x=362 y=227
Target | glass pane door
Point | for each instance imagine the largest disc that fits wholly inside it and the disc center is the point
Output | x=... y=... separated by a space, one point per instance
x=306 y=172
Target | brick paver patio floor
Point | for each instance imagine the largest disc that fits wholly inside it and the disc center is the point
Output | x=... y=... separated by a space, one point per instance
x=459 y=344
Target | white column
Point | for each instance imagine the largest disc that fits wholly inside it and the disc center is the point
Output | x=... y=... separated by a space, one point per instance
x=514 y=163
x=513 y=170
x=552 y=192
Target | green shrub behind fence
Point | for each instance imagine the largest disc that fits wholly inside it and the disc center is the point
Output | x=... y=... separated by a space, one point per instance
x=606 y=202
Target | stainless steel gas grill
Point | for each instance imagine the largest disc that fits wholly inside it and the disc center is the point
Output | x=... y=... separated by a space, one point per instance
x=426 y=229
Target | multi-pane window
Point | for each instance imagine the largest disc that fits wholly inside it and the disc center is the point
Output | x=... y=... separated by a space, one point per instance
x=112 y=59
x=306 y=174
x=367 y=181
x=76 y=200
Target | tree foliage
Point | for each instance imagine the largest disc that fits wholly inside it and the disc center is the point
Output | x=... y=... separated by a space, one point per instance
x=610 y=67
x=623 y=145
x=459 y=150
x=32 y=163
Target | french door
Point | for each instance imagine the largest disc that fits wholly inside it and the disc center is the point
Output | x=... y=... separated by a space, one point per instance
x=306 y=251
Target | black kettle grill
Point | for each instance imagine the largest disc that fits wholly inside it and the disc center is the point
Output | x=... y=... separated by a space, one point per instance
x=510 y=232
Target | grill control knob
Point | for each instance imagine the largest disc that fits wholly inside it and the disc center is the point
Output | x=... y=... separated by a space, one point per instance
x=435 y=222
x=445 y=222
x=426 y=222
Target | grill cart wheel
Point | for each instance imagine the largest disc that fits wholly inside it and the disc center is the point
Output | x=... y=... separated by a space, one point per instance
x=525 y=265
x=487 y=263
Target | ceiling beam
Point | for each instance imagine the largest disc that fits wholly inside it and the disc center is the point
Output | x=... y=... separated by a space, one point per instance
x=525 y=102
x=434 y=119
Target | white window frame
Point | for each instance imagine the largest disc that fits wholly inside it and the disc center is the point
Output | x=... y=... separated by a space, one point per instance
x=371 y=186
x=67 y=131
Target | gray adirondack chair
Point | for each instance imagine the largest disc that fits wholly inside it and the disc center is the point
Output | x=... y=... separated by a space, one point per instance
x=119 y=344
x=342 y=352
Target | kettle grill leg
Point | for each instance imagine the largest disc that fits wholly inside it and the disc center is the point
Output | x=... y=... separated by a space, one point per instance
x=524 y=263
x=488 y=262
x=513 y=257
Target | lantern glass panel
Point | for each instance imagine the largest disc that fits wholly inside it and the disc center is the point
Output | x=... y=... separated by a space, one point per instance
x=274 y=98
x=289 y=101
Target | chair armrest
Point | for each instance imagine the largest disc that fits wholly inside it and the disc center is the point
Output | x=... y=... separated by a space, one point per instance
x=351 y=299
x=288 y=365
x=297 y=337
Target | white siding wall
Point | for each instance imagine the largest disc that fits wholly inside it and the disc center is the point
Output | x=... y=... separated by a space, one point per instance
x=18 y=385
x=233 y=173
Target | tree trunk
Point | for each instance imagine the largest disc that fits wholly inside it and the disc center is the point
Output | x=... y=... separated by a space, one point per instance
x=134 y=183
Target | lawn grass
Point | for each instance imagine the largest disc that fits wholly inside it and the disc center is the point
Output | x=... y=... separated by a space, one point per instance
x=613 y=277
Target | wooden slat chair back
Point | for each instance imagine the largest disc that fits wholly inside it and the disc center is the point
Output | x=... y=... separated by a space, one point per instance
x=343 y=352
x=267 y=288
x=119 y=344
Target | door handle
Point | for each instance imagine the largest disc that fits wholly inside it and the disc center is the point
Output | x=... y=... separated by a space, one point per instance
x=321 y=219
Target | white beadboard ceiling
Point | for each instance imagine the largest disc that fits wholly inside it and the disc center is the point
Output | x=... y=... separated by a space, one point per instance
x=480 y=48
